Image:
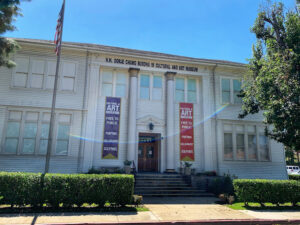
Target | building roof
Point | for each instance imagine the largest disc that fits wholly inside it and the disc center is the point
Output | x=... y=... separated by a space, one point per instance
x=134 y=52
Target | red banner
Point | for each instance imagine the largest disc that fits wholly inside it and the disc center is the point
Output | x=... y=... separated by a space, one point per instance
x=186 y=132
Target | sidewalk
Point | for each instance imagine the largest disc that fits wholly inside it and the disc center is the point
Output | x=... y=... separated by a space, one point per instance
x=160 y=209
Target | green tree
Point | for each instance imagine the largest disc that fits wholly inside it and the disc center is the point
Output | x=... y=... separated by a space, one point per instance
x=272 y=84
x=9 y=9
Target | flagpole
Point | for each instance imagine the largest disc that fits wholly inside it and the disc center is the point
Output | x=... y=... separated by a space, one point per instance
x=52 y=117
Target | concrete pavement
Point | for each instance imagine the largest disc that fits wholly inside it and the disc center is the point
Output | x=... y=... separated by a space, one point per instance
x=160 y=210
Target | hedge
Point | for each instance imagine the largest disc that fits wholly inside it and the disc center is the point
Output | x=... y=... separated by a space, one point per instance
x=69 y=189
x=262 y=191
x=294 y=177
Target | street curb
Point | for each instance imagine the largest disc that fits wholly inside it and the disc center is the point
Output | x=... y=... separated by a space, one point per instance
x=195 y=222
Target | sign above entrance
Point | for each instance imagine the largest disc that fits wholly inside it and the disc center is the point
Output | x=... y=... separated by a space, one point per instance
x=111 y=128
x=151 y=64
x=186 y=132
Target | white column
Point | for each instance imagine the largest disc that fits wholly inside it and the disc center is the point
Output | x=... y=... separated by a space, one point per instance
x=207 y=114
x=170 y=122
x=133 y=89
x=92 y=98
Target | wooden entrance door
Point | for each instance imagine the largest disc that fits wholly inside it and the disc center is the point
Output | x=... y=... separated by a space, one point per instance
x=148 y=153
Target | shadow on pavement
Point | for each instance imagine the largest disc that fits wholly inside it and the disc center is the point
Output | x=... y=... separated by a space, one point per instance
x=179 y=200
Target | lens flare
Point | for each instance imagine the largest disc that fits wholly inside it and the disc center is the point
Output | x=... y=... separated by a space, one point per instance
x=174 y=134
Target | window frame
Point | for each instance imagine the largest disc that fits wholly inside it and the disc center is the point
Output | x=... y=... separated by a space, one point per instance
x=114 y=81
x=45 y=74
x=231 y=96
x=185 y=91
x=246 y=133
x=151 y=86
x=38 y=135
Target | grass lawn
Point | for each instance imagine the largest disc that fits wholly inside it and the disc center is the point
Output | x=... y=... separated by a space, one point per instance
x=4 y=209
x=257 y=206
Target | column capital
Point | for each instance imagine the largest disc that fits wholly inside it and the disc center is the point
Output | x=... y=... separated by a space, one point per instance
x=133 y=72
x=170 y=75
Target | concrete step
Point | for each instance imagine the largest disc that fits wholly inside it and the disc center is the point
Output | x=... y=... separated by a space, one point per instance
x=167 y=188
x=179 y=195
x=169 y=191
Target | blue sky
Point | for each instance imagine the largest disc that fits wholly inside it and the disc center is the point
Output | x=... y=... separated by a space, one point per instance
x=211 y=29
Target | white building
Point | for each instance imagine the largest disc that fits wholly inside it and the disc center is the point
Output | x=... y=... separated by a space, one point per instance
x=150 y=87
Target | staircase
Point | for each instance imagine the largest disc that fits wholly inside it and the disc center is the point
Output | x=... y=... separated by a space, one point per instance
x=159 y=185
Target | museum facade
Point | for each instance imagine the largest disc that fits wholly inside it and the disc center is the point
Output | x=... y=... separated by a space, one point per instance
x=114 y=104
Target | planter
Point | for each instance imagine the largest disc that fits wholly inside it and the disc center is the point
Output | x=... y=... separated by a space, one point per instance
x=181 y=170
x=187 y=171
x=127 y=169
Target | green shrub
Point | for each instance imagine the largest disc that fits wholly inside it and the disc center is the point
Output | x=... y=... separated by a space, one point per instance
x=20 y=188
x=262 y=191
x=221 y=185
x=294 y=177
x=67 y=189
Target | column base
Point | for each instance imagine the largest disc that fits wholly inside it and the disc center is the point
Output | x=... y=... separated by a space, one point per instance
x=170 y=171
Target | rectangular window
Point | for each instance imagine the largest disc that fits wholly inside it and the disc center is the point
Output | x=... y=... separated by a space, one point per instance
x=29 y=133
x=240 y=146
x=179 y=93
x=145 y=87
x=191 y=92
x=21 y=74
x=68 y=76
x=107 y=83
x=228 y=146
x=13 y=131
x=121 y=85
x=263 y=147
x=51 y=69
x=157 y=88
x=37 y=76
x=44 y=133
x=225 y=91
x=236 y=91
x=252 y=149
x=62 y=139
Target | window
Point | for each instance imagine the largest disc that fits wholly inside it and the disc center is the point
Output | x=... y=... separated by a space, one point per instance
x=21 y=72
x=27 y=132
x=36 y=73
x=236 y=91
x=192 y=97
x=179 y=93
x=44 y=133
x=107 y=83
x=13 y=132
x=144 y=86
x=68 y=76
x=263 y=145
x=121 y=85
x=51 y=69
x=157 y=88
x=225 y=91
x=62 y=139
x=186 y=90
x=240 y=142
x=114 y=83
x=230 y=89
x=228 y=147
x=238 y=149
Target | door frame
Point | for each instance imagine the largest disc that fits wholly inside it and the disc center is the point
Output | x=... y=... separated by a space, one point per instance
x=157 y=145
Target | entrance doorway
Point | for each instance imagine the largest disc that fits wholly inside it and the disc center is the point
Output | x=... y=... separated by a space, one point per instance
x=148 y=152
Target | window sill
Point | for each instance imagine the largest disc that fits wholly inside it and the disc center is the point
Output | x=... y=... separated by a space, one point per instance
x=41 y=89
x=28 y=155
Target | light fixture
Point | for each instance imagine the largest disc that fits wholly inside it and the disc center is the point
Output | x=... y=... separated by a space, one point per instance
x=151 y=126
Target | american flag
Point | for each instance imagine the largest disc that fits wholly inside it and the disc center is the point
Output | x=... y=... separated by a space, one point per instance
x=58 y=33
